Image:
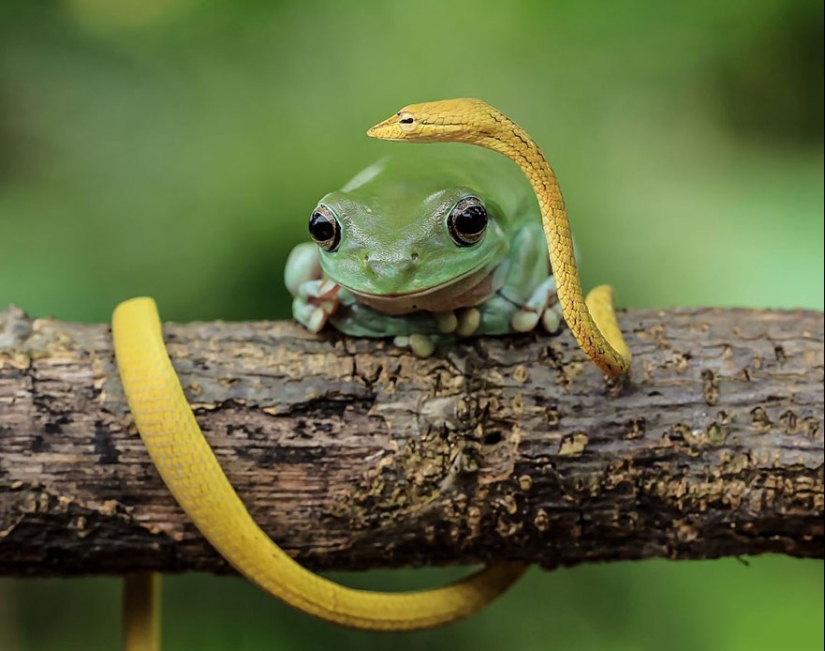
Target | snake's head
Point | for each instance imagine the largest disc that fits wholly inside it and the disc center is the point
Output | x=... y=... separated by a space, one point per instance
x=454 y=120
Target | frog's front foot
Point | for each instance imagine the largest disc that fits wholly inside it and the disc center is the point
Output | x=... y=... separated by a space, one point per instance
x=538 y=308
x=315 y=298
x=316 y=301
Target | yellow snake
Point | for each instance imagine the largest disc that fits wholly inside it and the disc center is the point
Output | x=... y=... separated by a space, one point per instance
x=190 y=470
x=477 y=123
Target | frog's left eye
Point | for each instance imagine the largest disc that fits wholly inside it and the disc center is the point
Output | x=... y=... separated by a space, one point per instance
x=468 y=221
x=324 y=228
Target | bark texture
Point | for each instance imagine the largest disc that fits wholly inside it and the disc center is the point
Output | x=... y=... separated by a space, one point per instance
x=354 y=454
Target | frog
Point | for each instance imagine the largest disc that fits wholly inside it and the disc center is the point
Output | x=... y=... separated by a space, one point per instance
x=425 y=248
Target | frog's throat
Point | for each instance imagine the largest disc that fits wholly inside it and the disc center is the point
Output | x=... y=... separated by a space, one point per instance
x=469 y=290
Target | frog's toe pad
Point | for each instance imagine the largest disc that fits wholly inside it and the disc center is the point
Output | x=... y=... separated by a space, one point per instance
x=524 y=320
x=551 y=319
x=313 y=316
x=317 y=320
x=420 y=345
x=322 y=289
x=468 y=322
x=446 y=322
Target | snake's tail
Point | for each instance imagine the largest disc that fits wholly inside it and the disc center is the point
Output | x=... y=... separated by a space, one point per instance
x=192 y=473
x=141 y=612
x=600 y=303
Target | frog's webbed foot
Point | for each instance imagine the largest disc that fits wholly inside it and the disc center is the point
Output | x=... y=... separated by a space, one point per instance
x=541 y=306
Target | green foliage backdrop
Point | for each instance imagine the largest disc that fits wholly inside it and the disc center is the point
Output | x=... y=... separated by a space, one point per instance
x=175 y=149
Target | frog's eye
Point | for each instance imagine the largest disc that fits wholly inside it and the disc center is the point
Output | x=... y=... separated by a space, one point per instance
x=324 y=228
x=468 y=221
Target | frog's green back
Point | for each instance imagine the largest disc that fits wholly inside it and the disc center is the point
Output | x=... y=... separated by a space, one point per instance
x=401 y=181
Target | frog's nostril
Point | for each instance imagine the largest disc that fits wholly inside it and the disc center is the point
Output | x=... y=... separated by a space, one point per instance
x=373 y=267
x=391 y=268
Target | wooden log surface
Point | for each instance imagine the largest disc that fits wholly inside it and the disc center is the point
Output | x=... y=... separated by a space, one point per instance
x=354 y=453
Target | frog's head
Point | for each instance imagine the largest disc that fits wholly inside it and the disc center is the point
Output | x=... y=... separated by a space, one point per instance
x=406 y=237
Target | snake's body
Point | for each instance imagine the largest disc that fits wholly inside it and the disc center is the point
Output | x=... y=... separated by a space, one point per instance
x=193 y=475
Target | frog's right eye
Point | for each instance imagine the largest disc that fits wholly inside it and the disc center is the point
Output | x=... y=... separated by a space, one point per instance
x=324 y=228
x=467 y=221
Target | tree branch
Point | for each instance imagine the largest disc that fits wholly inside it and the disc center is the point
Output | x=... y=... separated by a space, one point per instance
x=353 y=453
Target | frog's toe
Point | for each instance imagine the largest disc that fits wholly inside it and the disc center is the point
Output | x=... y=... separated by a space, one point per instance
x=524 y=320
x=541 y=295
x=537 y=309
x=312 y=317
x=468 y=322
x=420 y=345
x=321 y=289
x=551 y=319
x=326 y=290
x=317 y=320
x=446 y=322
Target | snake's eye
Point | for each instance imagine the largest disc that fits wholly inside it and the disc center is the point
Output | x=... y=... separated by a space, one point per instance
x=324 y=228
x=468 y=221
x=406 y=121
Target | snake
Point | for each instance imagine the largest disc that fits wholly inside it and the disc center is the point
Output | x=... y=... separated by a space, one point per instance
x=188 y=466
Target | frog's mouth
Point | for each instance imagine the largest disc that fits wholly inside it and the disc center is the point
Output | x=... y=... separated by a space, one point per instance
x=468 y=290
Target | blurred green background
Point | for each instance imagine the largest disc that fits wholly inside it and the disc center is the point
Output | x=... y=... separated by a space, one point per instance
x=176 y=148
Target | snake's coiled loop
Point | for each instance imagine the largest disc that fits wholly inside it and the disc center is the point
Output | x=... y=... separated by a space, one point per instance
x=192 y=473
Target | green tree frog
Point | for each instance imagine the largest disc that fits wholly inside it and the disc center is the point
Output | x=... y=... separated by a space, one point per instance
x=423 y=247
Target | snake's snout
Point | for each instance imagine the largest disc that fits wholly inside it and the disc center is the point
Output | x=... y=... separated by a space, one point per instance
x=389 y=129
